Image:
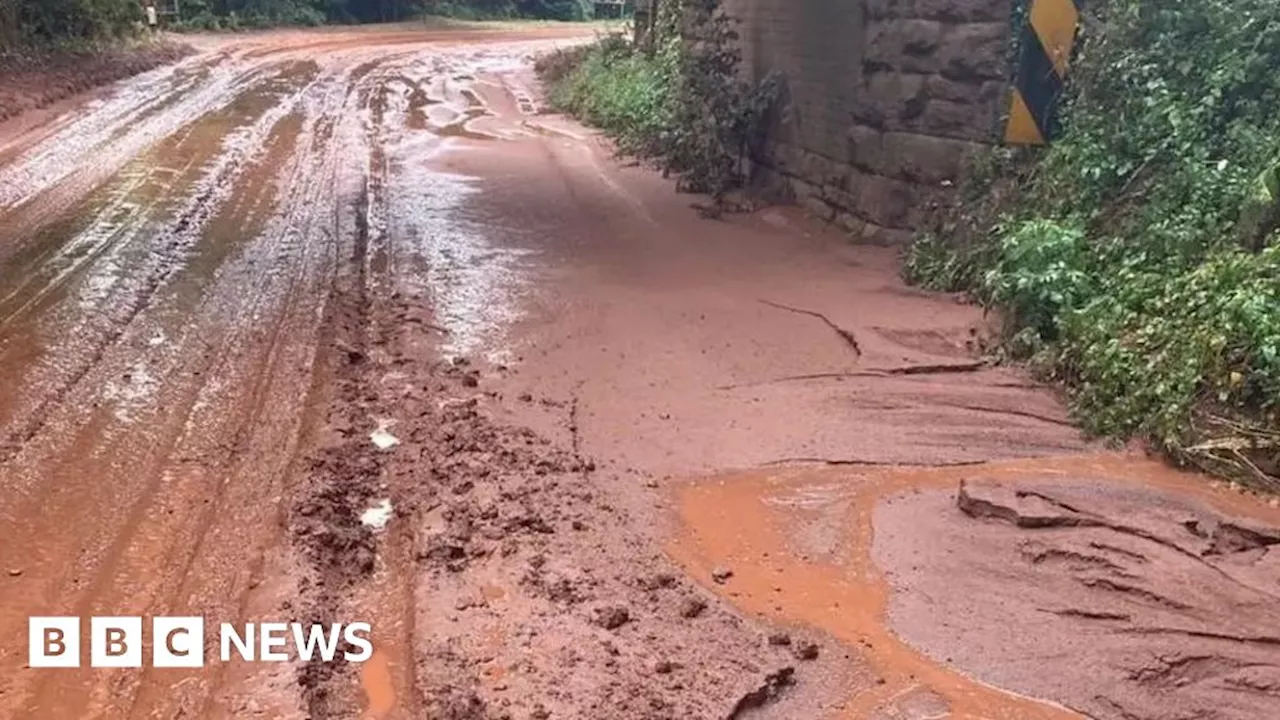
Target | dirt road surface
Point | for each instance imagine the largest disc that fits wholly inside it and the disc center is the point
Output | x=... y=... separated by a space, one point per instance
x=342 y=326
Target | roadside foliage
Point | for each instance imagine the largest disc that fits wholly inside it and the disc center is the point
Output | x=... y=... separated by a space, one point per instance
x=25 y=22
x=678 y=97
x=41 y=22
x=1136 y=259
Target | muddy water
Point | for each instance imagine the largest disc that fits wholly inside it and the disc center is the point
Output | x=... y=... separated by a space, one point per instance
x=799 y=544
x=167 y=256
x=172 y=261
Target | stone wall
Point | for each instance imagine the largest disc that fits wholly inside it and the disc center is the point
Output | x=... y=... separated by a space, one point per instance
x=883 y=100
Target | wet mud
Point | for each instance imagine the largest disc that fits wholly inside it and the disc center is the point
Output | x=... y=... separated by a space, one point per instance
x=340 y=325
x=42 y=79
x=185 y=261
x=1090 y=586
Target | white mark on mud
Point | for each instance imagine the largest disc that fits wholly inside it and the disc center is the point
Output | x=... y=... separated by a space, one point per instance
x=382 y=437
x=378 y=516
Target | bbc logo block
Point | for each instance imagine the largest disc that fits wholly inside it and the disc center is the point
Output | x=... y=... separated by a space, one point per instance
x=54 y=642
x=179 y=642
x=115 y=642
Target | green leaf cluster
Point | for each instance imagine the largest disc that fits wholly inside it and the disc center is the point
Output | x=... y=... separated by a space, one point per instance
x=1137 y=258
x=680 y=100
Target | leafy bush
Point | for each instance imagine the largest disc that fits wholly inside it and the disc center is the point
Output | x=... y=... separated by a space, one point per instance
x=1040 y=275
x=26 y=22
x=680 y=100
x=492 y=10
x=1137 y=256
x=567 y=10
x=610 y=86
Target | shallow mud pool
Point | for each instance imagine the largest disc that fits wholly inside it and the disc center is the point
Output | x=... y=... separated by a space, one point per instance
x=343 y=325
x=1107 y=585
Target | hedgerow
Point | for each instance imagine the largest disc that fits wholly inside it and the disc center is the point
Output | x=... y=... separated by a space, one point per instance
x=1136 y=258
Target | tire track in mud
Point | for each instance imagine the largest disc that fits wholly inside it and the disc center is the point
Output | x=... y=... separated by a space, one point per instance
x=511 y=585
x=42 y=181
x=345 y=472
x=315 y=174
x=288 y=246
x=251 y=313
x=147 y=558
x=164 y=258
x=243 y=496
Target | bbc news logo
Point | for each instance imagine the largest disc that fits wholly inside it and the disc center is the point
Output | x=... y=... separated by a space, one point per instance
x=179 y=642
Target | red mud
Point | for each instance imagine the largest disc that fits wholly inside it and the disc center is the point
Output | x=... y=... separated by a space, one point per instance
x=222 y=281
x=1143 y=601
x=40 y=80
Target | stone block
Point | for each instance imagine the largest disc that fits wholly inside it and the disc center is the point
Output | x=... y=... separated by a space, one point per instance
x=954 y=11
x=850 y=223
x=867 y=148
x=983 y=93
x=974 y=51
x=948 y=11
x=953 y=120
x=924 y=159
x=912 y=45
x=873 y=234
x=884 y=201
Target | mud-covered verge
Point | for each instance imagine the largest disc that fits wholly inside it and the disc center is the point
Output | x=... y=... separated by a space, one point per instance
x=1167 y=607
x=37 y=79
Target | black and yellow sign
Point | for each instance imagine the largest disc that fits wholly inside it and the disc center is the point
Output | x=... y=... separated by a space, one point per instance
x=1046 y=44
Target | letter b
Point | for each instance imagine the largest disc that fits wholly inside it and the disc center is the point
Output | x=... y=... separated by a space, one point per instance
x=115 y=642
x=53 y=642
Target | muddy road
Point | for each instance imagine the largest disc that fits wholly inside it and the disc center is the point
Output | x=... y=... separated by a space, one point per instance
x=343 y=326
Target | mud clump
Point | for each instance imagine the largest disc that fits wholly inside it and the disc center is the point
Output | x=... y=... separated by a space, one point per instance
x=1167 y=608
x=612 y=617
x=806 y=650
x=692 y=607
x=773 y=686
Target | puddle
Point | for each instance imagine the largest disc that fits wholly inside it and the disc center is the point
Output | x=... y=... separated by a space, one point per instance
x=476 y=277
x=799 y=543
x=378 y=686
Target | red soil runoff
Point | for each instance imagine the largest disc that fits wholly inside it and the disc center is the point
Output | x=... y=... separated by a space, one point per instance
x=222 y=280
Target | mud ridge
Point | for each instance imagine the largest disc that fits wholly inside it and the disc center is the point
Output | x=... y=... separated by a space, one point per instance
x=1167 y=606
x=344 y=471
x=37 y=80
x=845 y=335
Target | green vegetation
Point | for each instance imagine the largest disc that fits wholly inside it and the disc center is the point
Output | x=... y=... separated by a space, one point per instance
x=679 y=100
x=568 y=10
x=238 y=14
x=45 y=22
x=1136 y=260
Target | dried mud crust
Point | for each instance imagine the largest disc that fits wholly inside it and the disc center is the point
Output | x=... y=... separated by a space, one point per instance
x=31 y=82
x=535 y=595
x=1146 y=606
